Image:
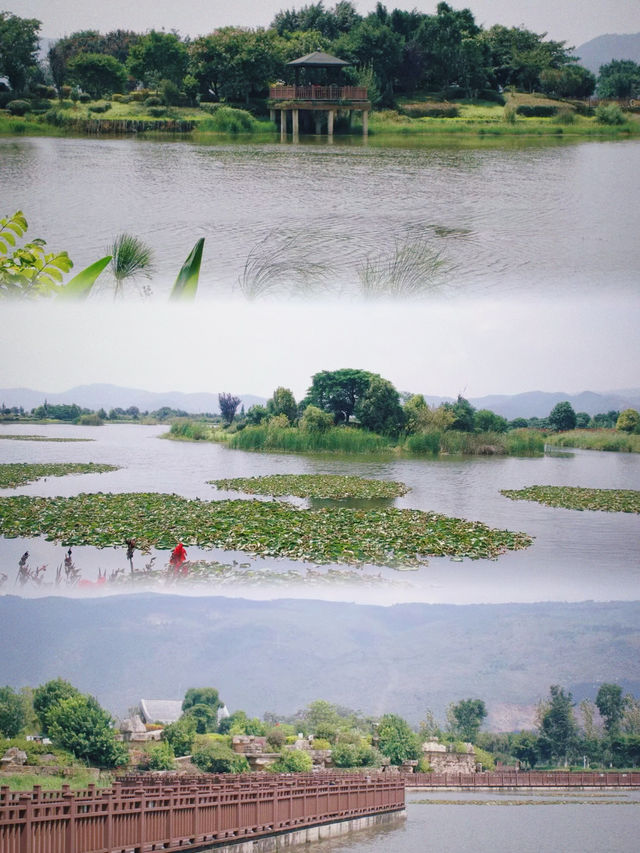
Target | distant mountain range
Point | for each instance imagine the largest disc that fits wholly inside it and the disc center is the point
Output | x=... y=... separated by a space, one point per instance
x=601 y=50
x=528 y=405
x=280 y=655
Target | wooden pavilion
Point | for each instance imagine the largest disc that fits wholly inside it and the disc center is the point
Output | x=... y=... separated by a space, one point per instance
x=317 y=96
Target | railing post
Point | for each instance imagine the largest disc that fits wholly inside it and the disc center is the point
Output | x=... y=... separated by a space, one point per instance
x=107 y=795
x=26 y=838
x=71 y=803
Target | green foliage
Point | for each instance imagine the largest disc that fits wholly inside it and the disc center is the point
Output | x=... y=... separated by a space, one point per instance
x=485 y=758
x=230 y=120
x=158 y=56
x=396 y=740
x=609 y=114
x=186 y=284
x=201 y=696
x=13 y=713
x=181 y=734
x=610 y=702
x=97 y=73
x=80 y=725
x=18 y=49
x=355 y=755
x=292 y=761
x=283 y=403
x=302 y=440
x=463 y=414
x=333 y=486
x=315 y=420
x=228 y=406
x=510 y=114
x=48 y=696
x=570 y=81
x=161 y=756
x=130 y=257
x=14 y=474
x=619 y=78
x=574 y=497
x=410 y=269
x=629 y=421
x=338 y=391
x=379 y=408
x=100 y=107
x=424 y=443
x=381 y=536
x=212 y=756
x=185 y=428
x=537 y=110
x=18 y=107
x=320 y=743
x=562 y=417
x=525 y=442
x=465 y=718
x=485 y=420
x=558 y=728
x=597 y=440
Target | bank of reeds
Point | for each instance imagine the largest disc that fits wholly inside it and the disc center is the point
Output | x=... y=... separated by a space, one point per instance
x=521 y=442
x=188 y=430
x=293 y=440
x=597 y=439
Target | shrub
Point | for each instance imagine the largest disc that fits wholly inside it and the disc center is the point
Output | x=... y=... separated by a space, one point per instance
x=493 y=96
x=170 y=93
x=56 y=117
x=18 y=107
x=65 y=91
x=157 y=112
x=215 y=757
x=139 y=95
x=230 y=120
x=424 y=766
x=509 y=114
x=210 y=107
x=161 y=756
x=320 y=743
x=610 y=114
x=90 y=419
x=565 y=116
x=427 y=111
x=292 y=761
x=536 y=110
x=84 y=97
x=100 y=107
x=119 y=98
x=153 y=101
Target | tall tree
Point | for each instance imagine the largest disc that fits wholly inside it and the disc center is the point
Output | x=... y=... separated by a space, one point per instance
x=13 y=713
x=80 y=725
x=158 y=56
x=18 y=49
x=283 y=403
x=338 y=391
x=396 y=740
x=228 y=406
x=558 y=728
x=562 y=416
x=610 y=702
x=619 y=78
x=48 y=696
x=97 y=73
x=379 y=407
x=465 y=718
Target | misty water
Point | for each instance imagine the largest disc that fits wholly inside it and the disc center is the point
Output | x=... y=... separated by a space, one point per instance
x=511 y=217
x=584 y=822
x=576 y=556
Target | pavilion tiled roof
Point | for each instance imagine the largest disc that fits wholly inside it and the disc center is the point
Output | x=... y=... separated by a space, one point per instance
x=318 y=59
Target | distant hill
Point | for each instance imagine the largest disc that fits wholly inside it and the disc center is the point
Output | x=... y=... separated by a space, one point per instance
x=601 y=50
x=280 y=655
x=527 y=405
x=113 y=396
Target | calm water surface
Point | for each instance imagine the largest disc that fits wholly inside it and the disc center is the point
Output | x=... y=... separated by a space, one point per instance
x=576 y=556
x=309 y=218
x=502 y=822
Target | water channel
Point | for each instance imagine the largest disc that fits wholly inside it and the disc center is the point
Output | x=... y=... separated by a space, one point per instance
x=576 y=556
x=511 y=217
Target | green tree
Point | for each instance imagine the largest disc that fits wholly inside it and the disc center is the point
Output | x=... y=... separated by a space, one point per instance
x=338 y=391
x=13 y=713
x=571 y=81
x=315 y=420
x=583 y=420
x=463 y=414
x=466 y=717
x=18 y=49
x=396 y=740
x=525 y=748
x=158 y=56
x=379 y=408
x=181 y=734
x=292 y=761
x=415 y=412
x=214 y=756
x=201 y=696
x=257 y=414
x=610 y=702
x=628 y=421
x=619 y=78
x=283 y=403
x=484 y=420
x=161 y=756
x=562 y=417
x=97 y=73
x=48 y=696
x=558 y=728
x=80 y=725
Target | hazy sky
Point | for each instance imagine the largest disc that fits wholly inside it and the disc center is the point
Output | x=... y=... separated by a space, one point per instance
x=441 y=348
x=574 y=21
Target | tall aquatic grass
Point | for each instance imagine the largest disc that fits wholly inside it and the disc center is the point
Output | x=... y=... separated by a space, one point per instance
x=525 y=442
x=411 y=269
x=189 y=430
x=516 y=443
x=293 y=440
x=600 y=439
x=281 y=260
x=424 y=443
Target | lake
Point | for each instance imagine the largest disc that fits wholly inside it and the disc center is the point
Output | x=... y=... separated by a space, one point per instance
x=510 y=218
x=576 y=556
x=584 y=822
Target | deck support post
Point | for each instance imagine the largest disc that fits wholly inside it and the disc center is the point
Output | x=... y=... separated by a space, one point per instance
x=283 y=124
x=330 y=115
x=295 y=123
x=365 y=122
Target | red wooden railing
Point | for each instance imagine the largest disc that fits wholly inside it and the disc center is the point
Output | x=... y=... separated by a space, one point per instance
x=318 y=93
x=522 y=779
x=142 y=814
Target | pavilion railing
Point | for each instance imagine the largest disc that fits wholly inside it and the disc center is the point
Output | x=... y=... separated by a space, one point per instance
x=318 y=93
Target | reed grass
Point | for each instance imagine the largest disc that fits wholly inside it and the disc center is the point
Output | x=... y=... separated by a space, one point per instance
x=188 y=430
x=516 y=443
x=597 y=439
x=293 y=440
x=412 y=268
x=280 y=260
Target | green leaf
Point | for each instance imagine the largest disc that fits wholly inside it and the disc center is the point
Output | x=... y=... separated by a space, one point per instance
x=81 y=284
x=187 y=282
